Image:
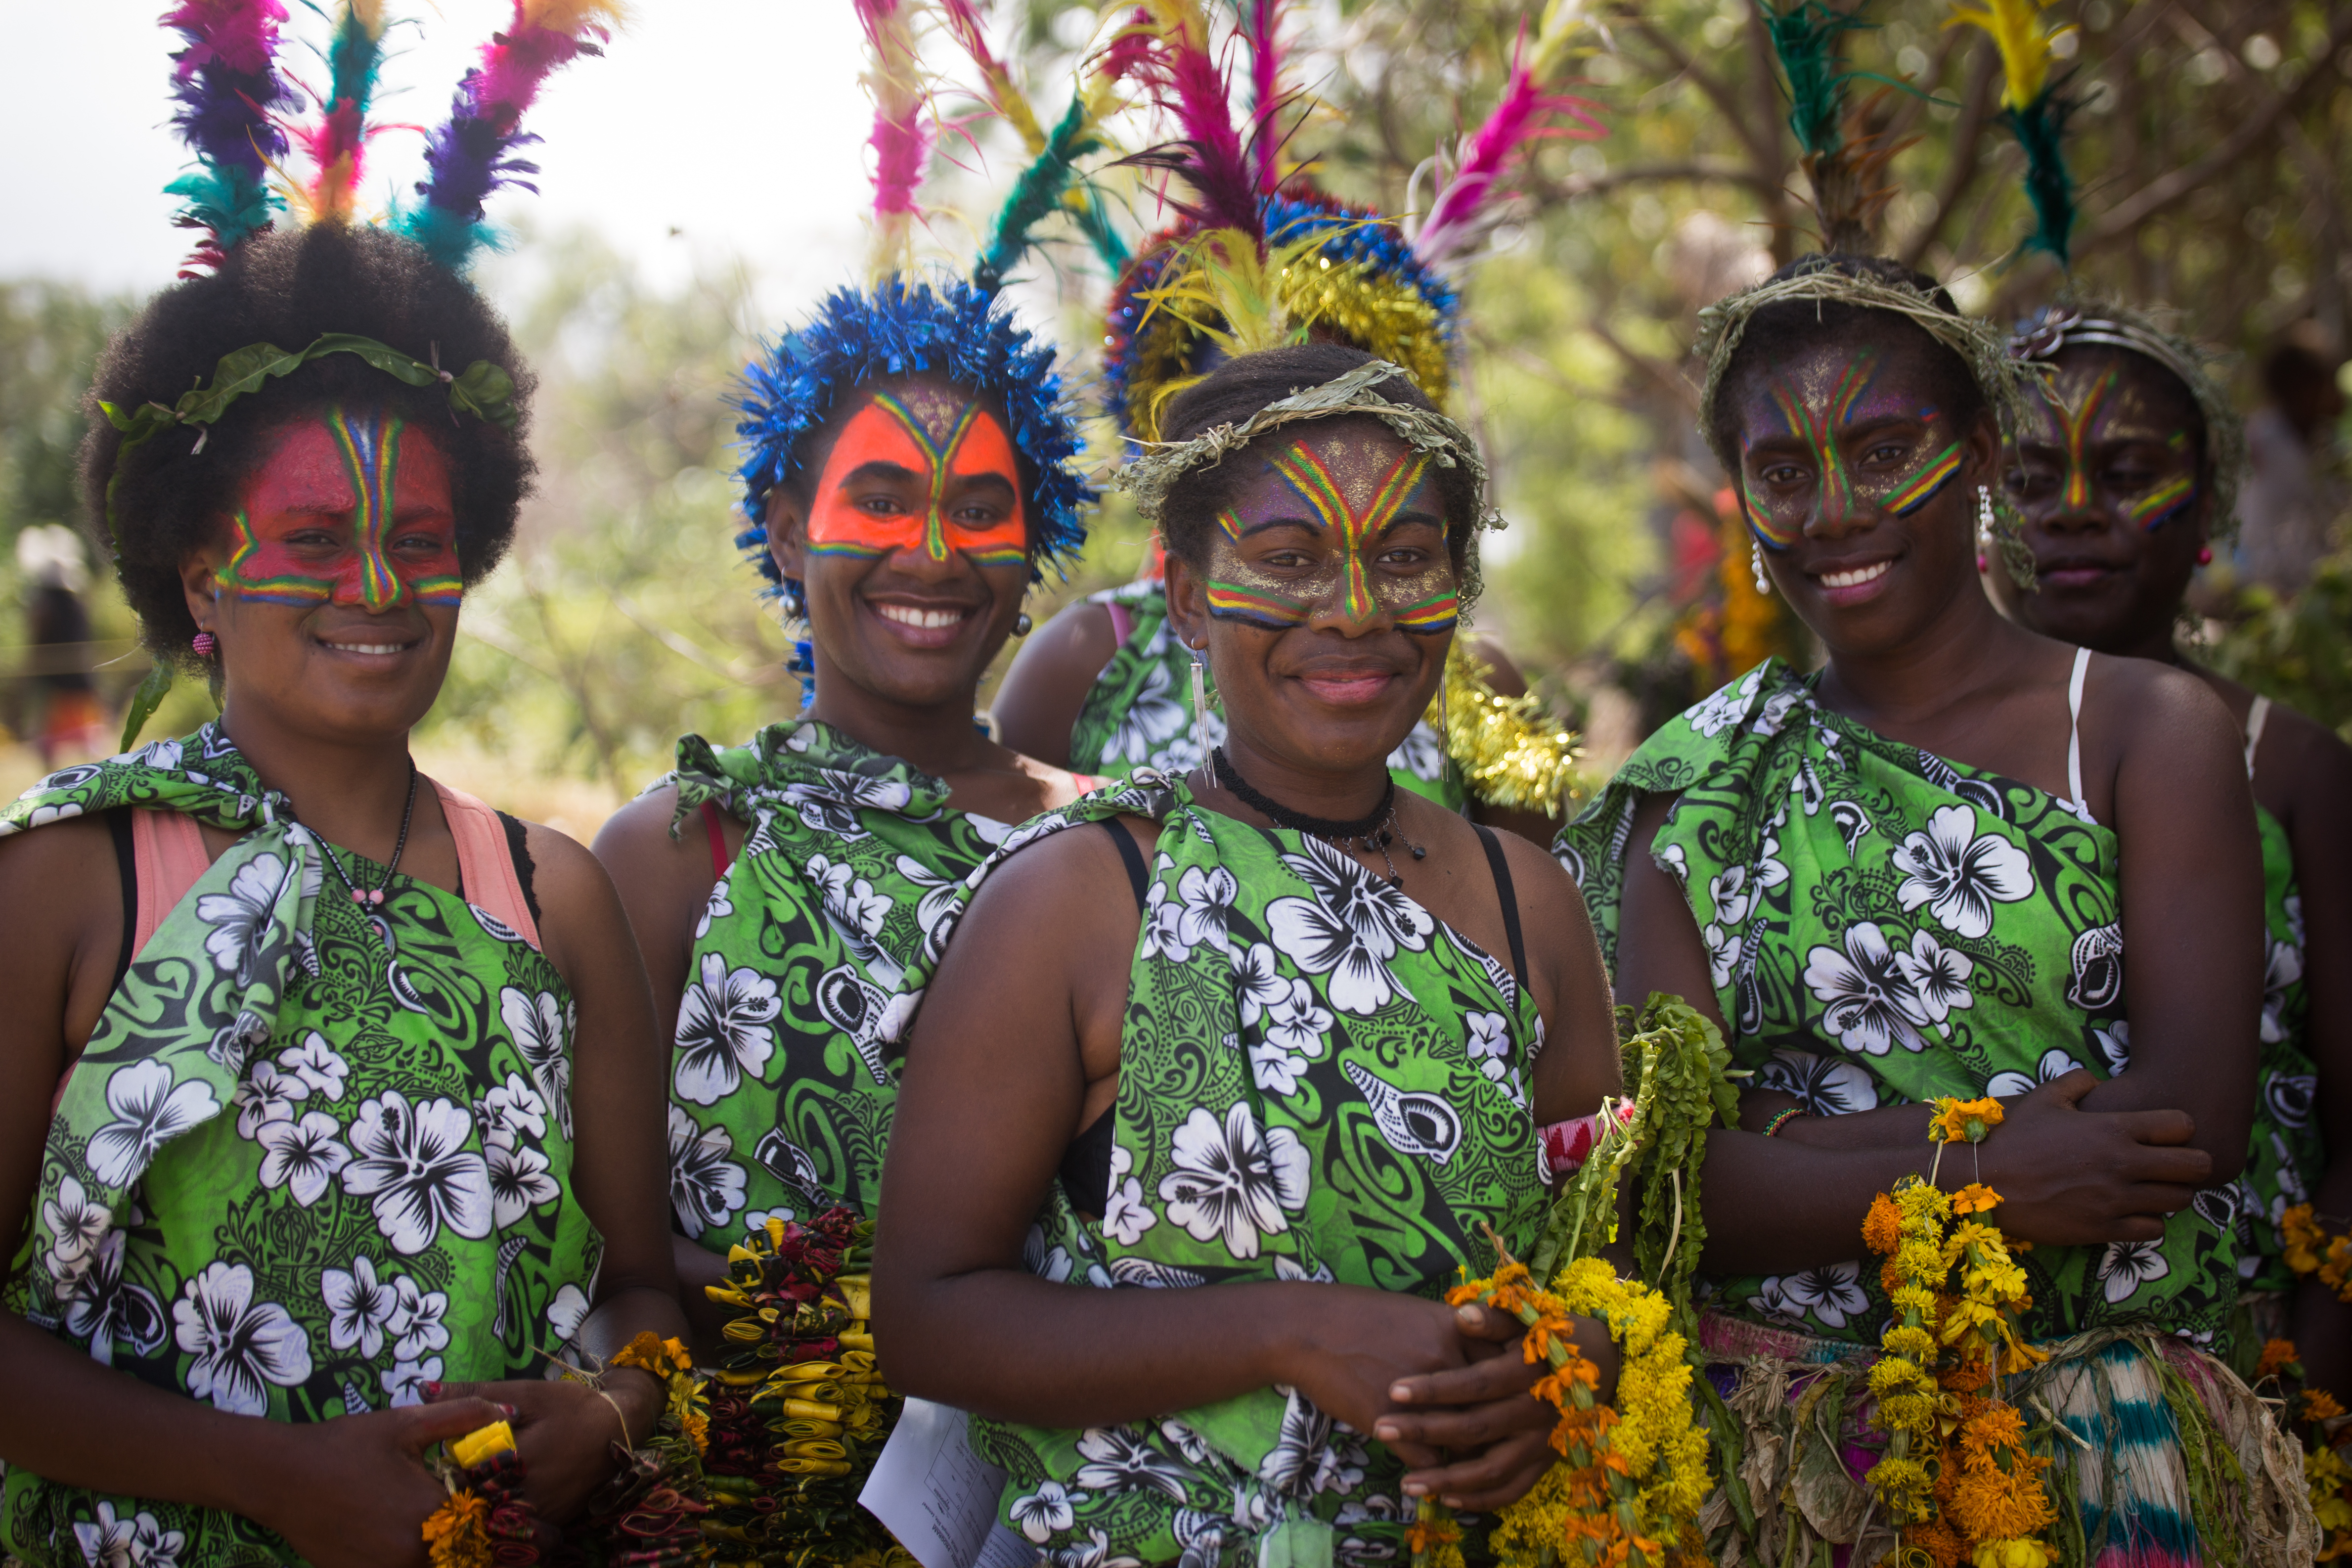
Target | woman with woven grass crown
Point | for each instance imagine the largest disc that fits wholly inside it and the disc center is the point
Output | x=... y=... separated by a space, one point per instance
x=1303 y=1010
x=1911 y=875
x=2123 y=472
x=327 y=1087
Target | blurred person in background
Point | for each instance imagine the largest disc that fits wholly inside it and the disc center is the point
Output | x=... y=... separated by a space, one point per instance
x=71 y=723
x=2293 y=498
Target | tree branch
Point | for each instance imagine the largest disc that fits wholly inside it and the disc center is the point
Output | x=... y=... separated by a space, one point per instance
x=1719 y=93
x=1968 y=145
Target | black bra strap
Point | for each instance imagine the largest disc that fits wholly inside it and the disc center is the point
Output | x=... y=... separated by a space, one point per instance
x=1503 y=890
x=126 y=864
x=1139 y=875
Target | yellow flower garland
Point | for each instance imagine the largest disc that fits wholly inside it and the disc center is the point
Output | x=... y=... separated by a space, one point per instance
x=673 y=1367
x=2310 y=1250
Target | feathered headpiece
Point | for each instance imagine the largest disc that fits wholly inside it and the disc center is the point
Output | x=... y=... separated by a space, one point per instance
x=228 y=86
x=338 y=141
x=1845 y=160
x=2035 y=112
x=961 y=330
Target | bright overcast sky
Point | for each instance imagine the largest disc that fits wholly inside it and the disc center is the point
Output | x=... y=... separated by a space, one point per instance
x=715 y=132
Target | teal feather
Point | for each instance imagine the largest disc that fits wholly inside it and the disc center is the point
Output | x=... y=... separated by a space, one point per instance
x=353 y=59
x=2041 y=129
x=1036 y=195
x=1805 y=38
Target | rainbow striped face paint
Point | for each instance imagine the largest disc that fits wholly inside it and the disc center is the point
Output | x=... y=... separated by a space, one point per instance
x=1828 y=439
x=1348 y=525
x=345 y=512
x=921 y=470
x=2105 y=448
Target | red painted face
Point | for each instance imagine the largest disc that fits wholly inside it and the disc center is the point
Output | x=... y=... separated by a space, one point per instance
x=920 y=471
x=345 y=512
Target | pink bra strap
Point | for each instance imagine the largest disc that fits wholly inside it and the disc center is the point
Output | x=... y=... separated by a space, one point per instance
x=484 y=864
x=1122 y=621
x=168 y=853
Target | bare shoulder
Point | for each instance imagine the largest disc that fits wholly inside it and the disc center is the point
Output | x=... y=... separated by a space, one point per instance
x=645 y=827
x=1539 y=880
x=1082 y=633
x=2311 y=762
x=2153 y=703
x=75 y=848
x=1072 y=871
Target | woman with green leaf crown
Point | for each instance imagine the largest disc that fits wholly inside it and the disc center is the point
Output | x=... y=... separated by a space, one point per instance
x=1910 y=877
x=1274 y=1028
x=328 y=1121
x=910 y=468
x=1259 y=258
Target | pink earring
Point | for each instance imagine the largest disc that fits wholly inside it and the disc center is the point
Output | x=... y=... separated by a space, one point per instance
x=206 y=645
x=2204 y=555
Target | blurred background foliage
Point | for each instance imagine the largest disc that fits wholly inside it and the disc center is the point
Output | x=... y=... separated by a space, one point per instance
x=2211 y=147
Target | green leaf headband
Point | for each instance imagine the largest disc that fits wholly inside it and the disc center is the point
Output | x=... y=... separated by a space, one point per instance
x=482 y=390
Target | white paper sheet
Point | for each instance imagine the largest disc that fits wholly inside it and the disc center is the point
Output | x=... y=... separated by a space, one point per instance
x=939 y=1497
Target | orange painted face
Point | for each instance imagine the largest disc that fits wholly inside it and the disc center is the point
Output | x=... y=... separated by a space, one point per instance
x=341 y=514
x=921 y=471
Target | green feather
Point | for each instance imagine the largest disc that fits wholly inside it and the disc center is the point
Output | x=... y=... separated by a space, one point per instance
x=1037 y=194
x=1806 y=36
x=2041 y=129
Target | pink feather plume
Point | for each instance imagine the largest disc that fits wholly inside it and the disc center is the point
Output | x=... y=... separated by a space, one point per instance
x=1460 y=211
x=1210 y=156
x=1260 y=21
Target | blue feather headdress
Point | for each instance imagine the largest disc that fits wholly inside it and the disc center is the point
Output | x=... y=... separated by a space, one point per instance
x=950 y=327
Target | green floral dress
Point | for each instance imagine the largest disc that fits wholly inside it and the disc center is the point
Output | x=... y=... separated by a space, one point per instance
x=312 y=1158
x=1317 y=1082
x=1139 y=713
x=2287 y=1155
x=1883 y=926
x=812 y=953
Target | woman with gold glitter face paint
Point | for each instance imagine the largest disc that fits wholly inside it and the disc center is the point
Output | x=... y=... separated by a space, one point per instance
x=2123 y=476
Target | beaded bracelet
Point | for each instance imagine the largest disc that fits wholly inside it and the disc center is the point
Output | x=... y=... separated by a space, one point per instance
x=1781 y=1119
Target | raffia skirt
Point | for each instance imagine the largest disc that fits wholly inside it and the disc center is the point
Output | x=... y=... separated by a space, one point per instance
x=2162 y=1457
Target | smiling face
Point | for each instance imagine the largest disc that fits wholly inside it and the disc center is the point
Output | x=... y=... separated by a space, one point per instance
x=1327 y=599
x=2107 y=478
x=334 y=587
x=911 y=545
x=1858 y=486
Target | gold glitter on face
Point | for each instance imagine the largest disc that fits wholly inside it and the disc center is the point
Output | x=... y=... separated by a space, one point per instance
x=2106 y=441
x=1834 y=434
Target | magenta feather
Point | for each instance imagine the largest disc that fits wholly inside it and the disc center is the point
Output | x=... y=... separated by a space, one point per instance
x=1461 y=209
x=1259 y=20
x=1209 y=157
x=902 y=137
x=228 y=90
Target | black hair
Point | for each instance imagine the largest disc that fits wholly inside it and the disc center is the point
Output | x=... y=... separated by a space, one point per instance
x=288 y=288
x=1243 y=385
x=1779 y=331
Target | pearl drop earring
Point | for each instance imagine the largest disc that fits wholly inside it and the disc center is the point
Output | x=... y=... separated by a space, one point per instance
x=1755 y=558
x=1984 y=528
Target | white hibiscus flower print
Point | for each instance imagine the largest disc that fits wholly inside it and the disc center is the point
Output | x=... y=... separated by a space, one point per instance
x=75 y=1225
x=1674 y=864
x=2054 y=1064
x=1824 y=1086
x=315 y=1063
x=359 y=1306
x=2115 y=1047
x=2285 y=968
x=1938 y=975
x=1871 y=1004
x=416 y=1324
x=150 y=1110
x=941 y=895
x=519 y=1183
x=102 y=1309
x=706 y=1185
x=1730 y=895
x=567 y=1312
x=1488 y=1047
x=1299 y=1023
x=1273 y=1070
x=1125 y=1216
x=1421 y=754
x=239 y=918
x=718 y=909
x=241 y=1345
x=139 y=1542
x=235 y=1039
x=541 y=1027
x=1152 y=717
x=1258 y=977
x=1722 y=953
x=1350 y=929
x=412 y=1161
x=726 y=1030
x=1236 y=1180
x=1042 y=1512
x=1725 y=708
x=267 y=1095
x=852 y=907
x=1832 y=1293
x=1121 y=1458
x=509 y=1112
x=1958 y=873
x=2128 y=1265
x=303 y=1156
x=1092 y=1552
x=404 y=1383
x=1206 y=896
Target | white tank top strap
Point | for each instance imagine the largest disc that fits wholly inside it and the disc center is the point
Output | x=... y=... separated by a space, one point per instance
x=2256 y=717
x=2074 y=801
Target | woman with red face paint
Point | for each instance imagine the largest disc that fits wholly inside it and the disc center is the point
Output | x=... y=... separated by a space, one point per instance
x=328 y=1106
x=1963 y=860
x=1304 y=1011
x=2123 y=472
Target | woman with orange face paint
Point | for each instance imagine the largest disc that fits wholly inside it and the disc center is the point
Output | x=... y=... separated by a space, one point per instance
x=329 y=1109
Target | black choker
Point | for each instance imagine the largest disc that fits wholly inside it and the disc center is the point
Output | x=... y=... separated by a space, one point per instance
x=1374 y=831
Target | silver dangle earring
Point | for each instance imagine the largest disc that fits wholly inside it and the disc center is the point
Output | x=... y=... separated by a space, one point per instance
x=1984 y=528
x=1755 y=558
x=1200 y=703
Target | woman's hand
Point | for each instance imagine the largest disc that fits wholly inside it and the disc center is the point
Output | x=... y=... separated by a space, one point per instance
x=1362 y=1344
x=354 y=1493
x=2069 y=1177
x=1483 y=1415
x=566 y=1431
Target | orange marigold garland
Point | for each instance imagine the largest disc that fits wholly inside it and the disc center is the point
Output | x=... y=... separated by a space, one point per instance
x=2310 y=1250
x=484 y=1523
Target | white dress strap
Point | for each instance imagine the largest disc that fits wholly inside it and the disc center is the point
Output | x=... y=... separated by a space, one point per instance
x=2256 y=717
x=2074 y=801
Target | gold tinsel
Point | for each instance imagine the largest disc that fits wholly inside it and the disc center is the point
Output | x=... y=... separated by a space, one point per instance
x=1511 y=751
